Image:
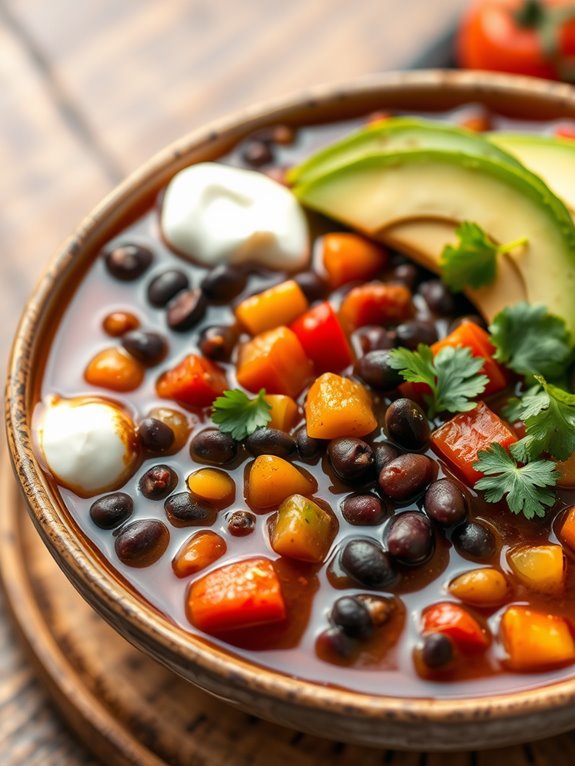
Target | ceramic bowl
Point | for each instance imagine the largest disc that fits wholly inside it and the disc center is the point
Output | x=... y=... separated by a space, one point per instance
x=390 y=720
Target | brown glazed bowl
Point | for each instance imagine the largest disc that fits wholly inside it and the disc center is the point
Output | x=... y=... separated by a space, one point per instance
x=390 y=720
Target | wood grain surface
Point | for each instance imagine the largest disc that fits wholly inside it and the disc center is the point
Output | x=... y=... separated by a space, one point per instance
x=88 y=90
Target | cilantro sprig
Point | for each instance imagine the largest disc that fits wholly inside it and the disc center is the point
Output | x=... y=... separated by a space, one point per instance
x=238 y=415
x=453 y=376
x=526 y=488
x=472 y=262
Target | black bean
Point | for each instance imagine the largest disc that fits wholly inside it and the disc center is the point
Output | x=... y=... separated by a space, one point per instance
x=406 y=476
x=410 y=334
x=307 y=446
x=437 y=650
x=111 y=510
x=475 y=541
x=363 y=509
x=384 y=453
x=155 y=436
x=380 y=608
x=150 y=348
x=224 y=282
x=257 y=153
x=166 y=286
x=350 y=458
x=406 y=273
x=410 y=538
x=158 y=482
x=438 y=297
x=374 y=369
x=128 y=262
x=367 y=563
x=213 y=447
x=445 y=503
x=186 y=309
x=333 y=642
x=373 y=338
x=183 y=511
x=407 y=424
x=217 y=342
x=312 y=285
x=475 y=318
x=271 y=441
x=353 y=617
x=142 y=542
x=241 y=523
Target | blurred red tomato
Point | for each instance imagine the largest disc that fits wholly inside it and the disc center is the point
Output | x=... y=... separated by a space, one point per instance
x=531 y=37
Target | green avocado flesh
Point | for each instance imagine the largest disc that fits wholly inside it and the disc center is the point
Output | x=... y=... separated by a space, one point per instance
x=508 y=202
x=397 y=135
x=552 y=159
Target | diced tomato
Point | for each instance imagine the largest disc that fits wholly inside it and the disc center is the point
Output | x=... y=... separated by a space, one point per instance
x=456 y=622
x=195 y=382
x=376 y=303
x=461 y=438
x=323 y=339
x=239 y=595
x=471 y=336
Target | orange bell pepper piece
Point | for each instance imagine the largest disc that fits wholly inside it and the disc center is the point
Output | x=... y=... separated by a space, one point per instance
x=271 y=308
x=271 y=479
x=349 y=257
x=337 y=406
x=284 y=411
x=535 y=640
x=198 y=552
x=566 y=532
x=274 y=360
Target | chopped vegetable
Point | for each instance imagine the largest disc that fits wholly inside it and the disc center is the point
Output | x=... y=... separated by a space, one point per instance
x=526 y=488
x=531 y=341
x=460 y=439
x=375 y=303
x=539 y=567
x=566 y=470
x=348 y=257
x=198 y=552
x=322 y=338
x=271 y=479
x=452 y=376
x=238 y=595
x=302 y=530
x=486 y=587
x=337 y=406
x=279 y=305
x=283 y=411
x=457 y=623
x=116 y=370
x=566 y=532
x=212 y=486
x=276 y=361
x=473 y=261
x=535 y=640
x=195 y=382
x=236 y=414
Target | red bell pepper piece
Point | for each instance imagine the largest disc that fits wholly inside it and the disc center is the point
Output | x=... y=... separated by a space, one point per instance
x=461 y=438
x=456 y=622
x=195 y=382
x=323 y=339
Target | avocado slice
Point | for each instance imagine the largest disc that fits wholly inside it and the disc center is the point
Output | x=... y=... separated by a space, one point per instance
x=552 y=159
x=508 y=202
x=396 y=134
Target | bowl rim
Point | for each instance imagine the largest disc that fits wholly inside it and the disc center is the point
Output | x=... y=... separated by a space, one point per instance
x=167 y=642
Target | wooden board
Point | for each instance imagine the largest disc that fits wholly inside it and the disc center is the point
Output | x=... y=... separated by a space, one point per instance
x=128 y=709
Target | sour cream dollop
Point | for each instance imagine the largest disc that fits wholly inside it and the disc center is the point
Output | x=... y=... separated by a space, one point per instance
x=215 y=213
x=90 y=445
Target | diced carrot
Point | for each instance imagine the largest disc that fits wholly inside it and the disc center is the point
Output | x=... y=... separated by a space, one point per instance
x=322 y=338
x=279 y=305
x=461 y=438
x=470 y=335
x=337 y=406
x=284 y=411
x=116 y=370
x=271 y=479
x=198 y=552
x=485 y=587
x=535 y=640
x=302 y=530
x=377 y=303
x=567 y=529
x=276 y=361
x=238 y=595
x=349 y=257
x=212 y=486
x=457 y=623
x=539 y=567
x=195 y=382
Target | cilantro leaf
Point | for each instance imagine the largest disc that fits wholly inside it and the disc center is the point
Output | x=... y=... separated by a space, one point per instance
x=473 y=261
x=531 y=341
x=238 y=415
x=452 y=375
x=549 y=416
x=525 y=488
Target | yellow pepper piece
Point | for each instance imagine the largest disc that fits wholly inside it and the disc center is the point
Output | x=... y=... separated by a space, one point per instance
x=539 y=567
x=284 y=411
x=279 y=305
x=271 y=479
x=212 y=486
x=337 y=406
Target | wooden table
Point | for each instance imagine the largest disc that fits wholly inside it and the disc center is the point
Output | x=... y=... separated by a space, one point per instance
x=88 y=90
